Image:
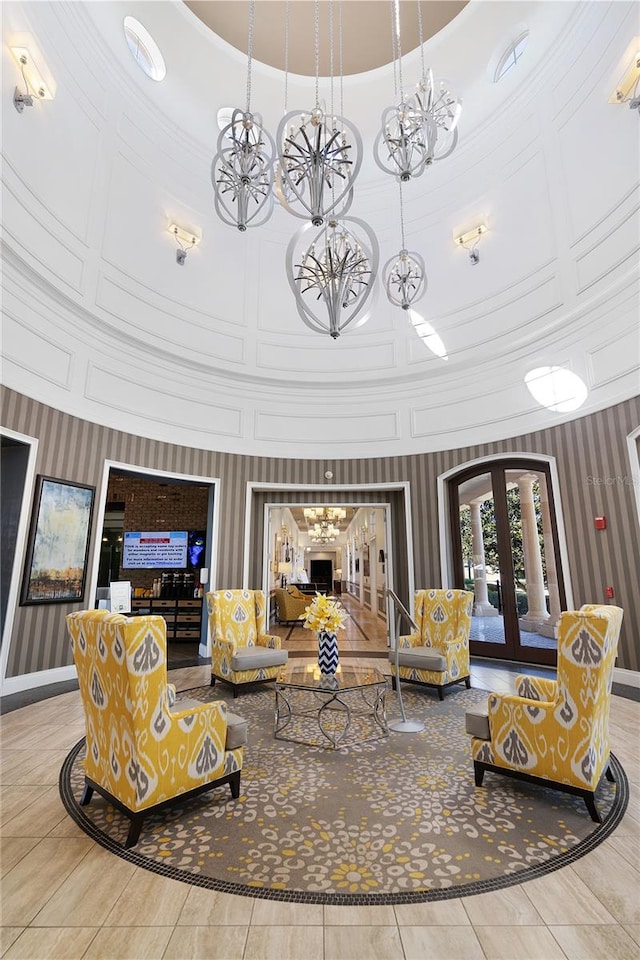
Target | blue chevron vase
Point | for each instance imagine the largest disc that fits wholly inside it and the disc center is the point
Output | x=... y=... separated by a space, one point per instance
x=328 y=657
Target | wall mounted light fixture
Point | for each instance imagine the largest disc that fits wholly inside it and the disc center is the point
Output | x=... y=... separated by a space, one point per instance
x=34 y=83
x=628 y=89
x=185 y=239
x=470 y=241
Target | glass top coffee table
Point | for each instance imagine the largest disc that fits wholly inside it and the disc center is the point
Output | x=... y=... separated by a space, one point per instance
x=330 y=711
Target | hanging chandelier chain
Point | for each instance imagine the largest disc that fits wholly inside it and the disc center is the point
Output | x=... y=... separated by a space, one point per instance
x=316 y=33
x=340 y=57
x=420 y=36
x=252 y=4
x=399 y=46
x=286 y=54
x=394 y=55
x=404 y=246
x=331 y=51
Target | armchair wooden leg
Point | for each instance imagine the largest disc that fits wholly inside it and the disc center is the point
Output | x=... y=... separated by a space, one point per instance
x=87 y=793
x=393 y=681
x=591 y=807
x=441 y=693
x=467 y=682
x=478 y=772
x=234 y=783
x=134 y=831
x=609 y=775
x=213 y=681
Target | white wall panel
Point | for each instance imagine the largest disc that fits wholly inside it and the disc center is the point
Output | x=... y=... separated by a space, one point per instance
x=328 y=358
x=136 y=316
x=604 y=362
x=32 y=353
x=160 y=400
x=43 y=250
x=336 y=426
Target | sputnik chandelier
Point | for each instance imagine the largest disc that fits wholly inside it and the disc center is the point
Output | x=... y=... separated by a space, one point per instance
x=319 y=154
x=405 y=275
x=242 y=169
x=421 y=128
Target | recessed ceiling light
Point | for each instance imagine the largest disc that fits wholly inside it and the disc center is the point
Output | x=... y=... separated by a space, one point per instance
x=556 y=388
x=144 y=50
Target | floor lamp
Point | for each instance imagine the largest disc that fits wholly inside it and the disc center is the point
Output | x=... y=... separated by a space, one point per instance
x=404 y=725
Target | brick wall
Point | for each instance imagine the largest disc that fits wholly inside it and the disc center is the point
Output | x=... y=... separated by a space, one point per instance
x=151 y=505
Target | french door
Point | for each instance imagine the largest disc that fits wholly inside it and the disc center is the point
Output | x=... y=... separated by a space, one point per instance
x=505 y=550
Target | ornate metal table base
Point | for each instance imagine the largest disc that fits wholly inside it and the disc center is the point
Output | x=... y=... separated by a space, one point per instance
x=353 y=702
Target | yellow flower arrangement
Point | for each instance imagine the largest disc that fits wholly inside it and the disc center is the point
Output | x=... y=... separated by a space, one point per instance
x=324 y=615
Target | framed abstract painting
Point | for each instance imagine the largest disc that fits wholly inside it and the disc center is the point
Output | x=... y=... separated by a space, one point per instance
x=58 y=546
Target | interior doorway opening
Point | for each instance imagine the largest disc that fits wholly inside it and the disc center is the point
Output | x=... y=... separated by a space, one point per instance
x=352 y=543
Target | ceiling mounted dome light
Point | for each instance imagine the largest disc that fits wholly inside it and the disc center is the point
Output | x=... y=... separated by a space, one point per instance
x=242 y=169
x=556 y=388
x=337 y=270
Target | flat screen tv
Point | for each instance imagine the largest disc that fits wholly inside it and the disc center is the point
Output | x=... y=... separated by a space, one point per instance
x=155 y=550
x=195 y=554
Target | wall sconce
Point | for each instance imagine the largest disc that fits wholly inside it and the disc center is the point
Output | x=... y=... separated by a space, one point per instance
x=185 y=239
x=35 y=86
x=627 y=90
x=471 y=240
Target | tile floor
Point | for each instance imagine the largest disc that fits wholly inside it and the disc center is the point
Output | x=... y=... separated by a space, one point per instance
x=62 y=896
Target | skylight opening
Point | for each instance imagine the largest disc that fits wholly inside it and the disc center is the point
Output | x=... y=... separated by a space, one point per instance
x=556 y=388
x=510 y=56
x=144 y=50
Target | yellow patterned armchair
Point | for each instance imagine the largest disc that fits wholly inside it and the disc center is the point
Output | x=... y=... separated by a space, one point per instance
x=241 y=652
x=556 y=732
x=437 y=655
x=145 y=751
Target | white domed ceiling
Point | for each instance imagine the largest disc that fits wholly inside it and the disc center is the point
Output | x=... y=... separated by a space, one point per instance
x=100 y=321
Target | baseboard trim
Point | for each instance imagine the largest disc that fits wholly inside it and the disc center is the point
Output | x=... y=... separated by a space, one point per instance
x=43 y=678
x=628 y=678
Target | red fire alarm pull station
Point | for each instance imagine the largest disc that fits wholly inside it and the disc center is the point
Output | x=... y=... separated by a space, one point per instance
x=601 y=523
x=608 y=592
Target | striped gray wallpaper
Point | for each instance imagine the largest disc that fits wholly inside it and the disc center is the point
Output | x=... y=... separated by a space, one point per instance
x=593 y=469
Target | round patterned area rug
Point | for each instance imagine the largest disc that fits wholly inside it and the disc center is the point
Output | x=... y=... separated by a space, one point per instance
x=395 y=820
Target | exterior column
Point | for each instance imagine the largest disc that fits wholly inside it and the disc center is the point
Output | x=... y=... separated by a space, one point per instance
x=548 y=629
x=536 y=601
x=481 y=605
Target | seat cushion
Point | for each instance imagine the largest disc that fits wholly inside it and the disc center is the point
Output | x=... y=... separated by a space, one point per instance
x=476 y=721
x=237 y=731
x=420 y=658
x=255 y=658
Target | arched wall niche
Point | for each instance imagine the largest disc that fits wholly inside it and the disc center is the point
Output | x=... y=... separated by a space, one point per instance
x=594 y=475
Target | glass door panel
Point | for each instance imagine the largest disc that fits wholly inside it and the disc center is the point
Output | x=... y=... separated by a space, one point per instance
x=478 y=542
x=505 y=550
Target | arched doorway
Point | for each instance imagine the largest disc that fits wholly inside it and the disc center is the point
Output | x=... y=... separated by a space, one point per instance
x=505 y=548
